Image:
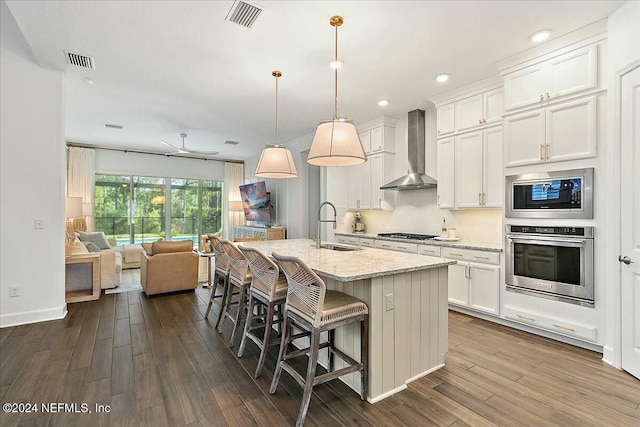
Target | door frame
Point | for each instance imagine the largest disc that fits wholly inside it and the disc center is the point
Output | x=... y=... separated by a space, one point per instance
x=612 y=350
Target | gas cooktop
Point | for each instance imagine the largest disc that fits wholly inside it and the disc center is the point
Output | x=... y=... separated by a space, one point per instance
x=408 y=236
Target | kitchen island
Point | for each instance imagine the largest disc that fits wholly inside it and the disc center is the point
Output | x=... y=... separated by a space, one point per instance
x=407 y=299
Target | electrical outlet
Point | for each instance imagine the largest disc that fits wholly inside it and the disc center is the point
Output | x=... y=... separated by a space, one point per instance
x=14 y=291
x=389 y=300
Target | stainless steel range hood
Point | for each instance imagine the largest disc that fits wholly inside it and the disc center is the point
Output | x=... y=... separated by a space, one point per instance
x=416 y=179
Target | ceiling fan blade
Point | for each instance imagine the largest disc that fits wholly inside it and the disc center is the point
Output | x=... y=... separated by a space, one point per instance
x=172 y=146
x=190 y=151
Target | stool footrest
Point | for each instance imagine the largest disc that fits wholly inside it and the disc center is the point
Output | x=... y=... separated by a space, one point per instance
x=323 y=378
x=304 y=351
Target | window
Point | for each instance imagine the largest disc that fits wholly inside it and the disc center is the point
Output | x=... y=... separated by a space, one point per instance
x=135 y=209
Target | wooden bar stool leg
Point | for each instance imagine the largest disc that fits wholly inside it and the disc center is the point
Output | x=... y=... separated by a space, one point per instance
x=364 y=356
x=225 y=307
x=213 y=295
x=239 y=314
x=332 y=340
x=266 y=340
x=311 y=373
x=247 y=325
x=283 y=349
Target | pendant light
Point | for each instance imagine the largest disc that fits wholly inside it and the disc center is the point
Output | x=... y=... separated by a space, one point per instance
x=336 y=142
x=276 y=160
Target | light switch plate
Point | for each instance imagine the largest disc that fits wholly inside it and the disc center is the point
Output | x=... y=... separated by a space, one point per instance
x=389 y=301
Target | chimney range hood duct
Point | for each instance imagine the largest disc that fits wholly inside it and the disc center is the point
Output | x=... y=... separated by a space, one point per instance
x=416 y=179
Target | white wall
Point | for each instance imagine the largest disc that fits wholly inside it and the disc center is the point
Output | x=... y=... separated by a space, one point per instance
x=32 y=169
x=623 y=45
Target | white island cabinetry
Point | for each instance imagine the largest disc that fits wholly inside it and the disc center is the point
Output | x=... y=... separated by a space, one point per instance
x=407 y=299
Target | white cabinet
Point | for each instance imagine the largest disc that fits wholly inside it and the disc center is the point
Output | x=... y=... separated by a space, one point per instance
x=396 y=246
x=474 y=282
x=355 y=241
x=478 y=169
x=378 y=139
x=429 y=250
x=365 y=180
x=446 y=157
x=479 y=110
x=445 y=119
x=551 y=323
x=564 y=131
x=563 y=75
x=337 y=190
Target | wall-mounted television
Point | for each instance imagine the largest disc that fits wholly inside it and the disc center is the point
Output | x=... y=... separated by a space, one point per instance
x=256 y=202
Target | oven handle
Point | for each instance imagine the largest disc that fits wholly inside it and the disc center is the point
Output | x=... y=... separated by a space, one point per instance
x=548 y=241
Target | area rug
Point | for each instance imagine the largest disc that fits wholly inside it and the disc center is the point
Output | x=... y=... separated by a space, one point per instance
x=129 y=282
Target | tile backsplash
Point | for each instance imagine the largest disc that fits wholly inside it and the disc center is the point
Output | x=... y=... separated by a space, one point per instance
x=417 y=212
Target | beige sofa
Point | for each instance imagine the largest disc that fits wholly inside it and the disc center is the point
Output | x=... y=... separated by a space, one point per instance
x=168 y=267
x=110 y=265
x=130 y=253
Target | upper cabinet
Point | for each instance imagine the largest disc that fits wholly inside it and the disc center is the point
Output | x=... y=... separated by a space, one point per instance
x=560 y=76
x=471 y=112
x=564 y=131
x=358 y=187
x=479 y=110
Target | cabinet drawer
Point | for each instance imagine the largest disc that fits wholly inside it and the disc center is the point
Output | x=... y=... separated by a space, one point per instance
x=471 y=255
x=550 y=323
x=430 y=250
x=397 y=246
x=347 y=240
x=368 y=243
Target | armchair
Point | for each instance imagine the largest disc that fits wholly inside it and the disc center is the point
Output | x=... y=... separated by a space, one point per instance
x=169 y=267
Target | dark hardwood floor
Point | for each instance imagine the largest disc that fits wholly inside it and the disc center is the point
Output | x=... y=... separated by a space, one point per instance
x=157 y=362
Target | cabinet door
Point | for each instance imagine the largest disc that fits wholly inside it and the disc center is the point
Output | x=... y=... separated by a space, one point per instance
x=459 y=284
x=484 y=287
x=365 y=138
x=445 y=119
x=354 y=186
x=572 y=72
x=524 y=138
x=469 y=113
x=336 y=191
x=524 y=87
x=446 y=173
x=492 y=169
x=571 y=130
x=364 y=172
x=468 y=170
x=493 y=106
x=380 y=165
x=377 y=139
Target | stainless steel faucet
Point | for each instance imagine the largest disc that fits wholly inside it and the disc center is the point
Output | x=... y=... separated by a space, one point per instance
x=320 y=220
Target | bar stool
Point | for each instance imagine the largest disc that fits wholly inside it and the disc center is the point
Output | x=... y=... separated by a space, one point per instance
x=221 y=273
x=240 y=278
x=268 y=290
x=312 y=307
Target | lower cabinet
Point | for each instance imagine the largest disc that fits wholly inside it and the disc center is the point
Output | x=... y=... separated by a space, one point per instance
x=552 y=323
x=473 y=284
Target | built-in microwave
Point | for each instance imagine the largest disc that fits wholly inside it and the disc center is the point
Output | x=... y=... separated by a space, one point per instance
x=560 y=194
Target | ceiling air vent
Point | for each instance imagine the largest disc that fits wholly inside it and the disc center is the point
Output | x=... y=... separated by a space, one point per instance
x=229 y=142
x=79 y=60
x=243 y=13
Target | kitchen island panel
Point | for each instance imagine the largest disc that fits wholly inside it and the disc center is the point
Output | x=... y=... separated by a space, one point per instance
x=406 y=342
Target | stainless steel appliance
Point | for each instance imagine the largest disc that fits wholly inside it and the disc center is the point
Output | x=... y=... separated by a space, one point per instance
x=560 y=194
x=551 y=262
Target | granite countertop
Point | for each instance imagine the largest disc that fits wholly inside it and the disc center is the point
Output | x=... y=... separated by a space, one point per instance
x=363 y=263
x=458 y=244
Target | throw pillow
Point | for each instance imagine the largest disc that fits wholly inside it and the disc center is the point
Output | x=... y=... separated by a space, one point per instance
x=91 y=247
x=98 y=239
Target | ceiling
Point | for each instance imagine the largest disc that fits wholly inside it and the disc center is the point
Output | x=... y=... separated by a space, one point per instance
x=167 y=67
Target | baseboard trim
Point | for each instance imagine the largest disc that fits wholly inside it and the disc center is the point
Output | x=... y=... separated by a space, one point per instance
x=34 y=316
x=422 y=374
x=611 y=357
x=387 y=394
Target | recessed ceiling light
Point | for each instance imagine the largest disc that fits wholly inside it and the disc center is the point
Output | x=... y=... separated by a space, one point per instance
x=383 y=103
x=88 y=80
x=335 y=64
x=441 y=78
x=540 y=36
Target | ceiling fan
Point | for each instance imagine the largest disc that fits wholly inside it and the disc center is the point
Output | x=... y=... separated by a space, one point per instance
x=185 y=150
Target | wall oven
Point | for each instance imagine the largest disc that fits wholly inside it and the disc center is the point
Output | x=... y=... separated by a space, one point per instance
x=551 y=262
x=561 y=194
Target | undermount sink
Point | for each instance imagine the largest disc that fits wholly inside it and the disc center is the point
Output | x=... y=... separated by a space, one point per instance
x=342 y=248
